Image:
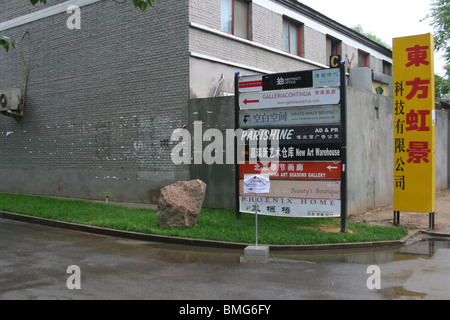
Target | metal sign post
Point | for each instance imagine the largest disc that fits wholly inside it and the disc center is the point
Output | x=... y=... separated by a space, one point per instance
x=256 y=220
x=343 y=148
x=256 y=184
x=236 y=126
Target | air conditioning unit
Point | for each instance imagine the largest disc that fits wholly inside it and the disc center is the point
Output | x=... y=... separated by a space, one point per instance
x=10 y=100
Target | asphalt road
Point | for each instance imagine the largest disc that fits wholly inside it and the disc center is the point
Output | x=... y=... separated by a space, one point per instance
x=34 y=262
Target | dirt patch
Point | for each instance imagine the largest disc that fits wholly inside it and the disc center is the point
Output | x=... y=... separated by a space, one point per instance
x=326 y=228
x=332 y=229
x=413 y=221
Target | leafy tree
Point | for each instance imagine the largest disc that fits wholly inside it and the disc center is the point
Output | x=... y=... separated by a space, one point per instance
x=6 y=42
x=442 y=86
x=142 y=4
x=358 y=28
x=440 y=21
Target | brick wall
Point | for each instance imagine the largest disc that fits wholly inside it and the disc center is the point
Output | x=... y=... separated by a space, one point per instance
x=101 y=100
x=315 y=45
x=266 y=27
x=205 y=12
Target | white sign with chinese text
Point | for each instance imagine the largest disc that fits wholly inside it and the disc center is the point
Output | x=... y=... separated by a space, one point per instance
x=289 y=116
x=288 y=207
x=289 y=98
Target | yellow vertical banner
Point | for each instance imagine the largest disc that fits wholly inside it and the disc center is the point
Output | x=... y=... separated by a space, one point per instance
x=414 y=124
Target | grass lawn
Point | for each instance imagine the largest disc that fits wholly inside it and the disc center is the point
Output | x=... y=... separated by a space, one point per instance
x=214 y=224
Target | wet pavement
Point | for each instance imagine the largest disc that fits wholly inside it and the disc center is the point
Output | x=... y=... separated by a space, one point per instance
x=34 y=263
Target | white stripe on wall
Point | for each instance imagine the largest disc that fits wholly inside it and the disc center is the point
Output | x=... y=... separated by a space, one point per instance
x=44 y=13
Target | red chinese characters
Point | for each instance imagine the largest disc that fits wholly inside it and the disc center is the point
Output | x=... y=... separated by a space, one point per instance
x=418 y=151
x=417 y=55
x=418 y=85
x=410 y=117
x=417 y=120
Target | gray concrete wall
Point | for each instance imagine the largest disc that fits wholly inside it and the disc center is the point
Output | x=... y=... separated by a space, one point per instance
x=442 y=150
x=448 y=148
x=217 y=113
x=370 y=150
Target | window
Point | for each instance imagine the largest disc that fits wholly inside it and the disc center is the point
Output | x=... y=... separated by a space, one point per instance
x=333 y=49
x=292 y=37
x=235 y=17
x=387 y=68
x=363 y=59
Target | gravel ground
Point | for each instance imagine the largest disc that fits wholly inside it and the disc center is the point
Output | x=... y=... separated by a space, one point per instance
x=413 y=221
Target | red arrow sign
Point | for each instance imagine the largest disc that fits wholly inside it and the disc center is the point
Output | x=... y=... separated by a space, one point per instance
x=309 y=170
x=250 y=101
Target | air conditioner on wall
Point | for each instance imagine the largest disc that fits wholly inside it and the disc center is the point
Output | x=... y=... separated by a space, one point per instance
x=10 y=100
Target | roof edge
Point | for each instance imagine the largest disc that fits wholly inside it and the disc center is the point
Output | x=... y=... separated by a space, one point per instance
x=323 y=19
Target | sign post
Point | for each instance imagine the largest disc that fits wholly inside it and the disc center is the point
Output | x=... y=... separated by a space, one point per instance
x=344 y=148
x=256 y=184
x=414 y=126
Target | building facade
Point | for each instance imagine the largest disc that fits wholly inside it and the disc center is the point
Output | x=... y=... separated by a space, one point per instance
x=102 y=100
x=278 y=36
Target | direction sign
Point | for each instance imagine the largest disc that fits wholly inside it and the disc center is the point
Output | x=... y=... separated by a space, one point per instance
x=319 y=152
x=288 y=80
x=309 y=170
x=289 y=116
x=289 y=207
x=326 y=78
x=293 y=135
x=308 y=189
x=289 y=98
x=291 y=80
x=247 y=84
x=293 y=130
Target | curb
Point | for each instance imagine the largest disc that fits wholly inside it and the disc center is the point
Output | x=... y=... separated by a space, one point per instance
x=200 y=242
x=120 y=233
x=435 y=234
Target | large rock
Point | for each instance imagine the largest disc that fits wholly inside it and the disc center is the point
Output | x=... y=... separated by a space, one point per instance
x=179 y=204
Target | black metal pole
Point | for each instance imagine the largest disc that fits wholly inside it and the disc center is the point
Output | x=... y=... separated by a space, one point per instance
x=396 y=218
x=236 y=126
x=344 y=148
x=431 y=221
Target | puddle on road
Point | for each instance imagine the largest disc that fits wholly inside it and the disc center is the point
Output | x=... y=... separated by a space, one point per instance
x=179 y=254
x=400 y=292
x=422 y=249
